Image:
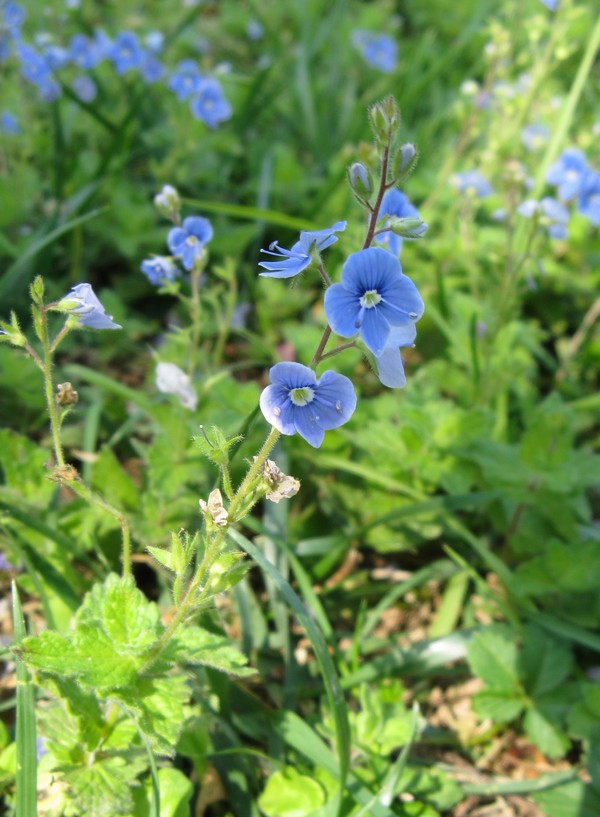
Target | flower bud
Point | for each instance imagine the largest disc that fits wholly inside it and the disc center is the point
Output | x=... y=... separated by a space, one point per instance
x=168 y=203
x=410 y=227
x=12 y=332
x=66 y=395
x=384 y=118
x=360 y=180
x=405 y=161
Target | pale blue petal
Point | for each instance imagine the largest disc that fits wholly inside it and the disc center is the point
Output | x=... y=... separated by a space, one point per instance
x=375 y=330
x=342 y=308
x=335 y=400
x=277 y=409
x=292 y=375
x=307 y=425
x=390 y=368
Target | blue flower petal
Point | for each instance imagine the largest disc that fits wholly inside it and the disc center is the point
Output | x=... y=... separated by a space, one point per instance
x=293 y=375
x=336 y=400
x=342 y=308
x=308 y=426
x=273 y=406
x=374 y=330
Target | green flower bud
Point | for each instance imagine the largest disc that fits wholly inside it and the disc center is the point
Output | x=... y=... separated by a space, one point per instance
x=360 y=180
x=384 y=118
x=168 y=203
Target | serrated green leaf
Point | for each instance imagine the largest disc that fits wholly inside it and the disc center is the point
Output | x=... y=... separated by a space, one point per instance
x=544 y=662
x=158 y=707
x=194 y=645
x=105 y=668
x=102 y=789
x=164 y=557
x=500 y=705
x=289 y=793
x=492 y=655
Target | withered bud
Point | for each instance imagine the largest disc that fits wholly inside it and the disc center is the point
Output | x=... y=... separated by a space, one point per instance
x=66 y=394
x=282 y=486
x=64 y=473
x=214 y=508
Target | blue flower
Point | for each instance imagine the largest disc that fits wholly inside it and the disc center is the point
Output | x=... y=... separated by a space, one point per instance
x=373 y=296
x=300 y=256
x=551 y=213
x=126 y=53
x=155 y=41
x=296 y=402
x=56 y=56
x=82 y=303
x=85 y=88
x=14 y=17
x=377 y=50
x=186 y=80
x=535 y=136
x=254 y=30
x=159 y=269
x=390 y=366
x=187 y=242
x=473 y=183
x=395 y=203
x=9 y=124
x=589 y=197
x=567 y=173
x=34 y=67
x=209 y=104
x=552 y=5
x=83 y=51
x=151 y=68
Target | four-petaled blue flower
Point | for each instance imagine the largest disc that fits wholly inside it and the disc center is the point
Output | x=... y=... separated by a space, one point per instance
x=551 y=5
x=296 y=402
x=126 y=52
x=567 y=173
x=299 y=257
x=473 y=183
x=377 y=50
x=160 y=269
x=373 y=296
x=390 y=366
x=82 y=303
x=187 y=242
x=589 y=197
x=9 y=123
x=185 y=81
x=551 y=213
x=209 y=104
x=395 y=203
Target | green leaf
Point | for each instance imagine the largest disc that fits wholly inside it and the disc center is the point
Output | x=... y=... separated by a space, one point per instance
x=26 y=771
x=500 y=705
x=195 y=645
x=111 y=480
x=575 y=799
x=102 y=789
x=289 y=793
x=542 y=730
x=544 y=662
x=176 y=791
x=492 y=655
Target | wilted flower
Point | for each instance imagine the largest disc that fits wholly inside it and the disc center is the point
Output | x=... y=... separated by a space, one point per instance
x=296 y=402
x=170 y=379
x=472 y=183
x=299 y=257
x=187 y=242
x=214 y=508
x=567 y=173
x=66 y=395
x=209 y=104
x=160 y=269
x=86 y=309
x=373 y=296
x=281 y=485
x=377 y=50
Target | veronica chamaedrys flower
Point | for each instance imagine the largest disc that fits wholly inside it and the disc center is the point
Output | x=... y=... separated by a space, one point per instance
x=170 y=379
x=299 y=257
x=13 y=16
x=472 y=183
x=9 y=124
x=208 y=103
x=552 y=5
x=185 y=81
x=588 y=203
x=187 y=242
x=296 y=402
x=82 y=51
x=390 y=366
x=377 y=50
x=160 y=269
x=85 y=88
x=567 y=173
x=396 y=203
x=151 y=68
x=374 y=295
x=126 y=52
x=551 y=214
x=83 y=305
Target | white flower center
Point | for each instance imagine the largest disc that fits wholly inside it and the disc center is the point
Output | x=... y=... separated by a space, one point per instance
x=370 y=299
x=302 y=396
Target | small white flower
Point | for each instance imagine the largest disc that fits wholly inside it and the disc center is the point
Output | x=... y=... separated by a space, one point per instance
x=170 y=379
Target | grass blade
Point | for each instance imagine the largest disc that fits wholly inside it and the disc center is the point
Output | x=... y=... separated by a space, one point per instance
x=26 y=778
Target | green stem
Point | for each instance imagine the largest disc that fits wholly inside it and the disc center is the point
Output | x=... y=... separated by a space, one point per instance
x=49 y=389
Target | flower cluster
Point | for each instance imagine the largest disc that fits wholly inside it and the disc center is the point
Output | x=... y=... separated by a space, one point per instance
x=42 y=63
x=576 y=180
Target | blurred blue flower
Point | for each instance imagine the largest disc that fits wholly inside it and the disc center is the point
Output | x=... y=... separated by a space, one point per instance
x=395 y=203
x=9 y=124
x=151 y=68
x=4 y=47
x=373 y=296
x=390 y=366
x=154 y=41
x=254 y=30
x=56 y=56
x=589 y=197
x=551 y=213
x=82 y=303
x=126 y=53
x=473 y=183
x=13 y=16
x=567 y=173
x=102 y=45
x=34 y=67
x=159 y=269
x=299 y=257
x=296 y=402
x=209 y=104
x=185 y=81
x=187 y=242
x=85 y=88
x=552 y=5
x=377 y=50
x=83 y=51
x=535 y=136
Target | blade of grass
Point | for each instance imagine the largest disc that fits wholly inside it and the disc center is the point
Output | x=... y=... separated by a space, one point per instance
x=26 y=775
x=451 y=605
x=330 y=678
x=252 y=214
